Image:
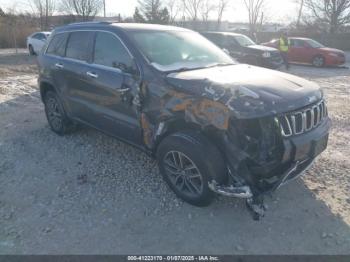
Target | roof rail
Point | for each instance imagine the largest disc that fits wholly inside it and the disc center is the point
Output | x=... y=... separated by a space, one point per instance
x=90 y=22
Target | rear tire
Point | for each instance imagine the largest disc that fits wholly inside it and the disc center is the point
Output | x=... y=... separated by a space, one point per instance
x=318 y=61
x=31 y=50
x=56 y=116
x=188 y=161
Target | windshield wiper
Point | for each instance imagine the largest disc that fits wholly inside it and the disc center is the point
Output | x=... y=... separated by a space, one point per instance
x=219 y=64
x=183 y=69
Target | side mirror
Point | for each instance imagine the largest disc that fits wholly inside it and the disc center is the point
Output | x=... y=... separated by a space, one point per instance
x=125 y=68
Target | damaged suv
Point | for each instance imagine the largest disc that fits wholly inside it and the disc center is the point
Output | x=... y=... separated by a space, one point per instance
x=214 y=126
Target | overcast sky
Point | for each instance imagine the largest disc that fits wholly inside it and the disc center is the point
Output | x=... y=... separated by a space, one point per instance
x=276 y=11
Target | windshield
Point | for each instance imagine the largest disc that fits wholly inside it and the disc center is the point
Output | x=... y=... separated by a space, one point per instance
x=314 y=44
x=244 y=40
x=179 y=50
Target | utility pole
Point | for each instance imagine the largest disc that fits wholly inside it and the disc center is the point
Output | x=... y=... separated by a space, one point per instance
x=104 y=8
x=46 y=14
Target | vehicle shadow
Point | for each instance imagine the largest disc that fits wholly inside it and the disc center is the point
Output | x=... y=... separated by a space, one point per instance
x=88 y=193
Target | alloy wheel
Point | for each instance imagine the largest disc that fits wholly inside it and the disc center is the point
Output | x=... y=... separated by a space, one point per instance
x=183 y=173
x=318 y=61
x=54 y=114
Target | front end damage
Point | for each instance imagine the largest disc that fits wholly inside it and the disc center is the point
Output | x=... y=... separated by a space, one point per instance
x=268 y=135
x=261 y=158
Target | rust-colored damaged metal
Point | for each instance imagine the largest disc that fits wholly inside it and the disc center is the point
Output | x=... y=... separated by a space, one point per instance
x=147 y=130
x=199 y=110
x=174 y=105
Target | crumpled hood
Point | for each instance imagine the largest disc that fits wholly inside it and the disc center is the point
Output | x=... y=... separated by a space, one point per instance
x=248 y=91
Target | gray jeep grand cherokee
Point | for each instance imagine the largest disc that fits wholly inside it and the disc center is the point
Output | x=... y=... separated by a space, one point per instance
x=214 y=126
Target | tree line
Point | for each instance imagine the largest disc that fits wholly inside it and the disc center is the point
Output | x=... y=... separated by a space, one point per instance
x=326 y=15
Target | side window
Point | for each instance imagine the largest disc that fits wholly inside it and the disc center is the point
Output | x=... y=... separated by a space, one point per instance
x=57 y=45
x=78 y=45
x=296 y=43
x=215 y=38
x=35 y=36
x=109 y=51
x=230 y=42
x=301 y=43
x=41 y=36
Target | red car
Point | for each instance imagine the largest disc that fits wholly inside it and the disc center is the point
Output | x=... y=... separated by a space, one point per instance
x=309 y=51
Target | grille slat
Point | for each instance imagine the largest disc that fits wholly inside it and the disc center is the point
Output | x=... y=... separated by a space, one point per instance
x=299 y=122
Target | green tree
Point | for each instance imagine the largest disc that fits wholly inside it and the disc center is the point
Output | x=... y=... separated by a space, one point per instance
x=151 y=11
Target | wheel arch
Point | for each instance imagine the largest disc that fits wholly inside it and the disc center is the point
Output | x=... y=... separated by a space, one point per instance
x=180 y=125
x=44 y=87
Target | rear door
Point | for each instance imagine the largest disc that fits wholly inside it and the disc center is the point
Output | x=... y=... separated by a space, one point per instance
x=54 y=62
x=106 y=89
x=74 y=68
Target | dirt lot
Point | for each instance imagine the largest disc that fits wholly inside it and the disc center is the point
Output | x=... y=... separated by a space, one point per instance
x=87 y=193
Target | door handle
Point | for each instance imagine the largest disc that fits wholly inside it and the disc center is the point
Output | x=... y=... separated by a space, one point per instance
x=92 y=74
x=59 y=65
x=121 y=90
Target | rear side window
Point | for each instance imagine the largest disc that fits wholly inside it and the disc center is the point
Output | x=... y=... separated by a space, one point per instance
x=57 y=45
x=78 y=45
x=39 y=36
x=109 y=51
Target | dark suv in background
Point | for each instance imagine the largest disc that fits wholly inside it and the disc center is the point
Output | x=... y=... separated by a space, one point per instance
x=245 y=50
x=213 y=125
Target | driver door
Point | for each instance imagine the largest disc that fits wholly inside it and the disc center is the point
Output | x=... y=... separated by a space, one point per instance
x=109 y=80
x=298 y=51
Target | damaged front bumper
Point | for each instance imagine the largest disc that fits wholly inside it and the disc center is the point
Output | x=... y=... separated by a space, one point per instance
x=253 y=181
x=296 y=170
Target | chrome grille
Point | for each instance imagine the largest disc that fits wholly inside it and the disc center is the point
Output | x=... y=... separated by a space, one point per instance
x=299 y=122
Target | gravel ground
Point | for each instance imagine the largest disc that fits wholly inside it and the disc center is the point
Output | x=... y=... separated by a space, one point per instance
x=87 y=193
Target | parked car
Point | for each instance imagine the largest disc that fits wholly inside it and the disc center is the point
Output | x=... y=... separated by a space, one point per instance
x=213 y=125
x=244 y=50
x=36 y=41
x=309 y=51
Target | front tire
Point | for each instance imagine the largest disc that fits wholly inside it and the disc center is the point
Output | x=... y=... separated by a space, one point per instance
x=55 y=114
x=318 y=61
x=31 y=50
x=188 y=161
